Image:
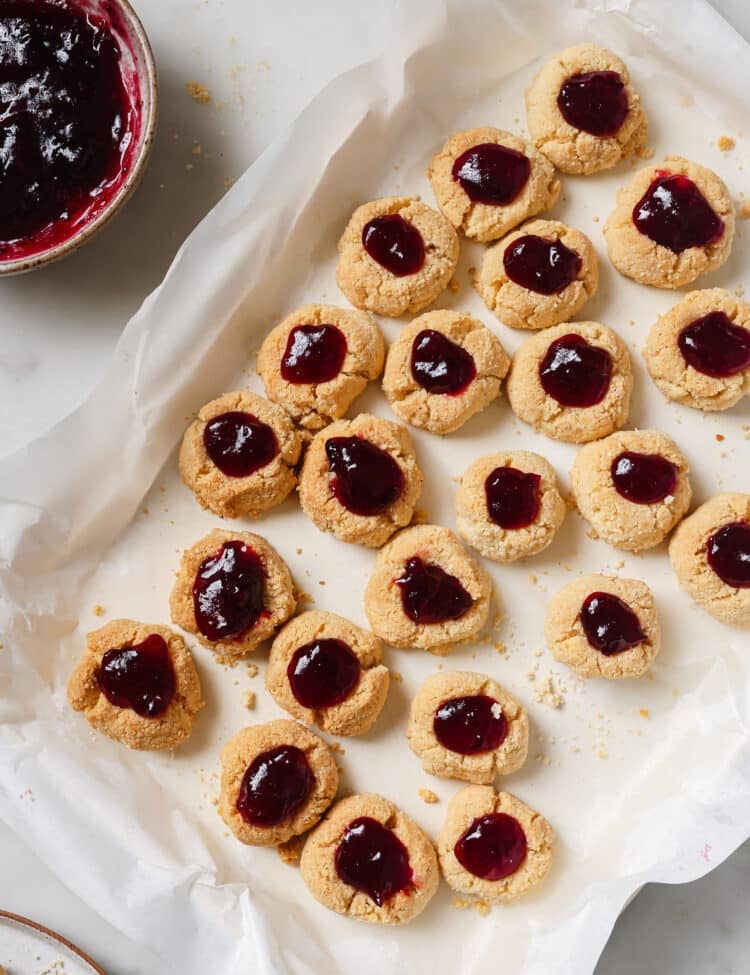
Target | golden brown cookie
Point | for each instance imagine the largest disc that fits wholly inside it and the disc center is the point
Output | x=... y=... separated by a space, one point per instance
x=632 y=488
x=233 y=591
x=508 y=505
x=487 y=181
x=238 y=455
x=396 y=256
x=137 y=683
x=427 y=591
x=493 y=846
x=572 y=382
x=583 y=112
x=442 y=369
x=538 y=275
x=685 y=224
x=466 y=726
x=360 y=479
x=325 y=670
x=318 y=360
x=710 y=553
x=369 y=861
x=603 y=627
x=277 y=780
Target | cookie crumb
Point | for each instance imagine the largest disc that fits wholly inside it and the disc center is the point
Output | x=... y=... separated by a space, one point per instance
x=248 y=700
x=720 y=437
x=199 y=93
x=549 y=693
x=725 y=143
x=290 y=852
x=299 y=551
x=335 y=747
x=303 y=597
x=428 y=796
x=454 y=286
x=397 y=676
x=602 y=754
x=98 y=610
x=321 y=582
x=595 y=219
x=644 y=713
x=252 y=670
x=228 y=181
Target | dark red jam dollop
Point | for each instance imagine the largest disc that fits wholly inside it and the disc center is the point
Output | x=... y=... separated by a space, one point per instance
x=323 y=673
x=674 y=213
x=275 y=784
x=239 y=443
x=491 y=174
x=140 y=677
x=471 y=724
x=610 y=625
x=371 y=858
x=67 y=125
x=313 y=354
x=431 y=595
x=395 y=244
x=228 y=592
x=574 y=372
x=493 y=847
x=439 y=365
x=544 y=266
x=366 y=480
x=715 y=346
x=513 y=497
x=594 y=101
x=643 y=478
x=728 y=553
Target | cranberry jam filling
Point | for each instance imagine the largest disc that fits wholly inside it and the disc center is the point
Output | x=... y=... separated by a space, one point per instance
x=372 y=859
x=395 y=244
x=513 y=497
x=574 y=372
x=323 y=673
x=493 y=847
x=275 y=784
x=439 y=365
x=140 y=677
x=594 y=101
x=491 y=174
x=643 y=478
x=239 y=443
x=67 y=126
x=674 y=213
x=366 y=480
x=313 y=354
x=431 y=595
x=228 y=592
x=471 y=724
x=610 y=625
x=544 y=266
x=728 y=554
x=715 y=346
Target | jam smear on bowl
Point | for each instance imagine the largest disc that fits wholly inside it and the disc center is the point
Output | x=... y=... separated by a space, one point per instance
x=643 y=478
x=610 y=625
x=493 y=847
x=140 y=677
x=674 y=213
x=513 y=497
x=323 y=673
x=728 y=554
x=228 y=592
x=470 y=724
x=395 y=244
x=239 y=443
x=439 y=365
x=491 y=174
x=366 y=480
x=544 y=266
x=715 y=346
x=275 y=784
x=594 y=101
x=574 y=372
x=429 y=594
x=313 y=354
x=372 y=859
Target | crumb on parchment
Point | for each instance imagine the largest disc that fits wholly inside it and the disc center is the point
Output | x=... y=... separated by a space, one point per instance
x=428 y=796
x=744 y=209
x=725 y=143
x=248 y=700
x=199 y=93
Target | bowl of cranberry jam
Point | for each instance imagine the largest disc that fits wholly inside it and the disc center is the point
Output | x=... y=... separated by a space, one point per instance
x=78 y=103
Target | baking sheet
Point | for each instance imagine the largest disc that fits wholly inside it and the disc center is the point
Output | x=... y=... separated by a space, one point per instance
x=632 y=798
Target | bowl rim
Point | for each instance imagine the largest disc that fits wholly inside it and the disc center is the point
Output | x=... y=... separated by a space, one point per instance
x=150 y=108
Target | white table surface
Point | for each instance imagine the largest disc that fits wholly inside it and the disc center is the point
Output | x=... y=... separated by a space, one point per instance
x=261 y=63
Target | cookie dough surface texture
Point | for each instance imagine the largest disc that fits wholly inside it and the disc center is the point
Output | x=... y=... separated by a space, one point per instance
x=482 y=221
x=520 y=307
x=574 y=424
x=688 y=551
x=123 y=724
x=315 y=485
x=638 y=257
x=231 y=497
x=572 y=149
x=435 y=546
x=239 y=753
x=313 y=405
x=444 y=412
x=490 y=539
x=667 y=366
x=475 y=802
x=278 y=593
x=361 y=708
x=616 y=520
x=370 y=286
x=318 y=863
x=480 y=767
x=566 y=638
